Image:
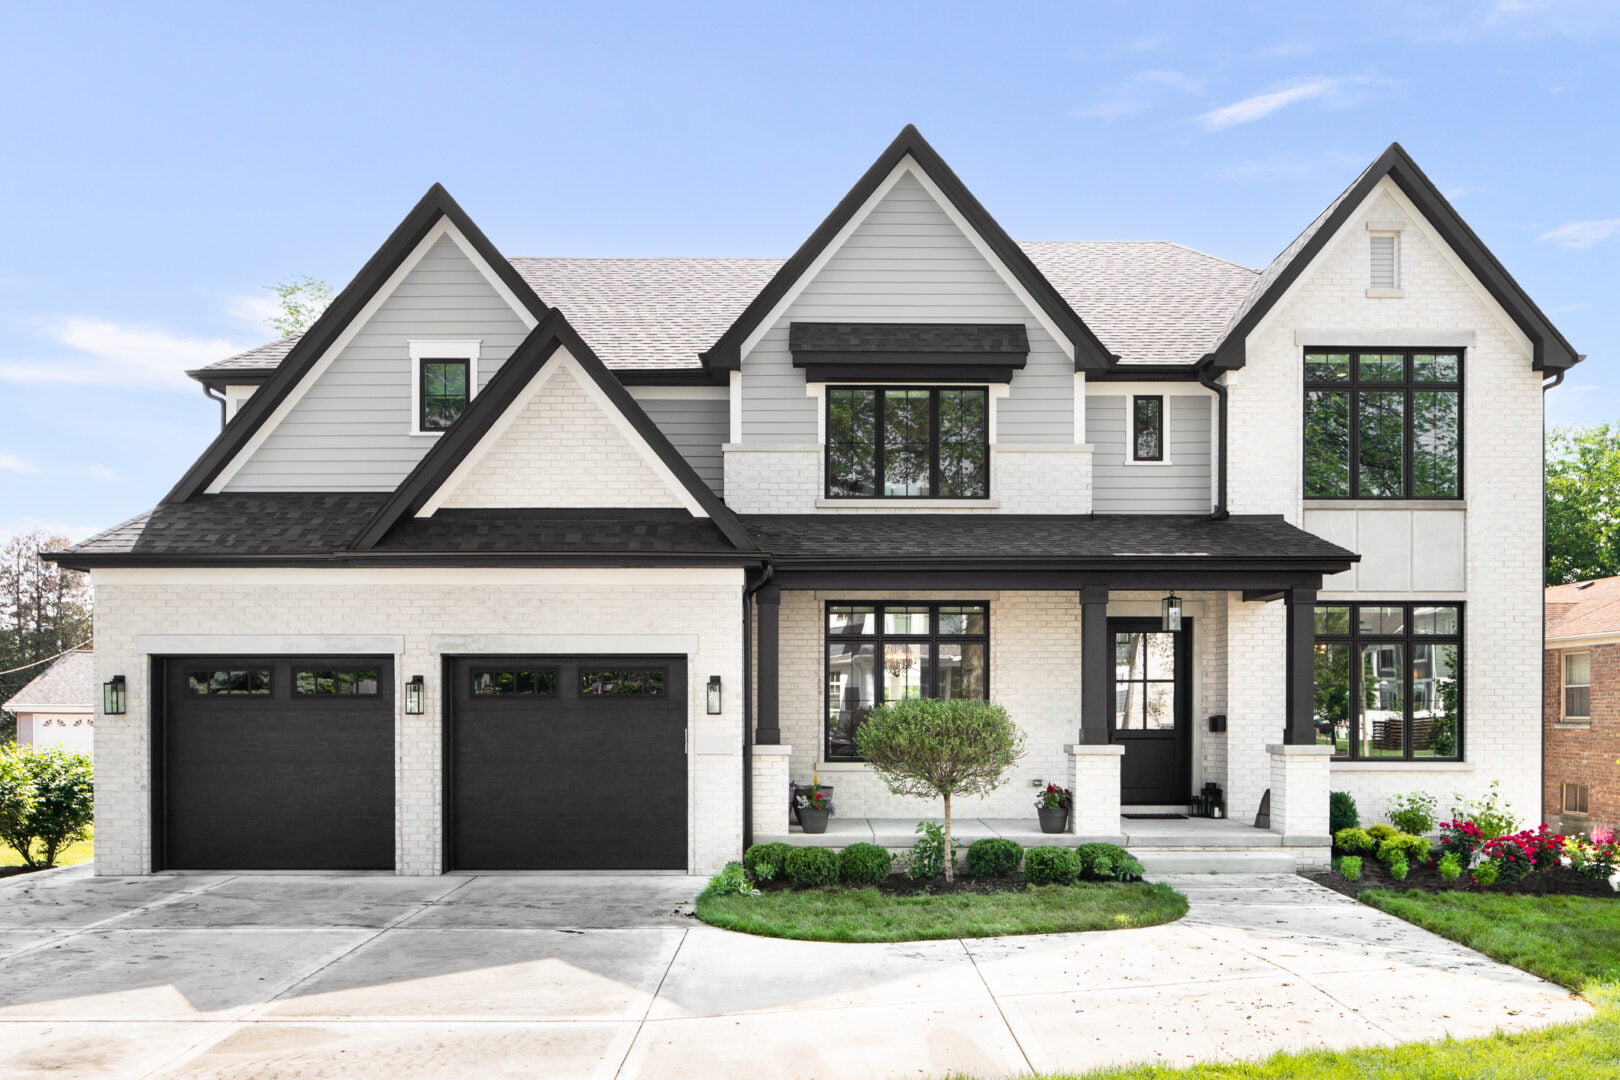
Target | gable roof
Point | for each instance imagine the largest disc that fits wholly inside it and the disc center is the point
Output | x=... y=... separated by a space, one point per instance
x=1089 y=353
x=318 y=339
x=69 y=683
x=1583 y=609
x=1551 y=350
x=502 y=391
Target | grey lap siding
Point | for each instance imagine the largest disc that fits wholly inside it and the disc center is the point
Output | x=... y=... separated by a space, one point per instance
x=1181 y=487
x=350 y=430
x=907 y=262
x=697 y=428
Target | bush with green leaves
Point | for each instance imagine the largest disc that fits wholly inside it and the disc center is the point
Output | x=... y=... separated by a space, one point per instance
x=1350 y=867
x=1414 y=849
x=1051 y=865
x=765 y=862
x=809 y=867
x=1413 y=812
x=732 y=880
x=938 y=748
x=46 y=801
x=1398 y=866
x=864 y=864
x=994 y=857
x=1354 y=842
x=1450 y=867
x=1342 y=813
x=1486 y=873
x=927 y=858
x=1489 y=813
x=1380 y=833
x=1107 y=862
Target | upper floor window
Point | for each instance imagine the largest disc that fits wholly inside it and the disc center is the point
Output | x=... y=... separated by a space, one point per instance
x=1384 y=424
x=445 y=379
x=1578 y=686
x=1147 y=427
x=908 y=442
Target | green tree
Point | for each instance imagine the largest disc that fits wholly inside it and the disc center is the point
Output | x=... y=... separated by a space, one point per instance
x=44 y=610
x=1583 y=503
x=928 y=747
x=46 y=801
x=299 y=302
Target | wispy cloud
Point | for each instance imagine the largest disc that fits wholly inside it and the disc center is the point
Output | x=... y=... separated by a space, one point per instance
x=15 y=463
x=1263 y=105
x=100 y=472
x=1583 y=234
x=1287 y=165
x=1139 y=93
x=99 y=350
x=1458 y=192
x=1582 y=306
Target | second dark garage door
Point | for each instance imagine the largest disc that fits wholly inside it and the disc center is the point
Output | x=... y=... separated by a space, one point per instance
x=567 y=763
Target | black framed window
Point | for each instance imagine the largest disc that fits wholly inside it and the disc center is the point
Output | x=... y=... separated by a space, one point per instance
x=336 y=682
x=908 y=442
x=1147 y=427
x=444 y=390
x=1383 y=424
x=1389 y=681
x=530 y=682
x=621 y=682
x=214 y=682
x=879 y=651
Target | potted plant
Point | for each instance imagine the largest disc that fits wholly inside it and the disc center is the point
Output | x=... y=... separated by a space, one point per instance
x=814 y=804
x=1053 y=807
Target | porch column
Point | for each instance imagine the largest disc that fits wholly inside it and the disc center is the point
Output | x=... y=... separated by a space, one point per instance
x=1300 y=729
x=1096 y=657
x=767 y=717
x=1300 y=779
x=1094 y=779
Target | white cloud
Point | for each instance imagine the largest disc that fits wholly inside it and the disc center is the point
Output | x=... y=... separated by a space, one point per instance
x=1139 y=93
x=1262 y=105
x=1583 y=234
x=13 y=463
x=118 y=353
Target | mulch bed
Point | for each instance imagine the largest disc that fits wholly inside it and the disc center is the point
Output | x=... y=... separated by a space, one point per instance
x=1374 y=875
x=900 y=885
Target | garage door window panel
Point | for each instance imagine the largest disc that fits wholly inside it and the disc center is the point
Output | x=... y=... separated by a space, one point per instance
x=533 y=682
x=336 y=682
x=622 y=682
x=214 y=682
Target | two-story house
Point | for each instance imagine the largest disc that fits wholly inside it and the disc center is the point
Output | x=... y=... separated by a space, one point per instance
x=517 y=563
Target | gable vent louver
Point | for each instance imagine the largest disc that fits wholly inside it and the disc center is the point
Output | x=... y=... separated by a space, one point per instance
x=1385 y=262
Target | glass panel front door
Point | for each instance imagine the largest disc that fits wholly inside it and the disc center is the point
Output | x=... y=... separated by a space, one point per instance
x=1149 y=711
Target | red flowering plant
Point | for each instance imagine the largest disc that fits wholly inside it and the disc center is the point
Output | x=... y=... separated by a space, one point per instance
x=812 y=797
x=1054 y=798
x=1524 y=852
x=1462 y=839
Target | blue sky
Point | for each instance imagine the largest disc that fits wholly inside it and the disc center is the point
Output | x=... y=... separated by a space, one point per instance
x=163 y=162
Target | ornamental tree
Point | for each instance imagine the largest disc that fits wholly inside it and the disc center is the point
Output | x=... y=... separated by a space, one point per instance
x=46 y=801
x=932 y=748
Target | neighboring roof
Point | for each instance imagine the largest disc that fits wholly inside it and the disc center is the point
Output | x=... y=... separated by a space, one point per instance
x=69 y=683
x=1550 y=350
x=1583 y=609
x=1076 y=537
x=263 y=358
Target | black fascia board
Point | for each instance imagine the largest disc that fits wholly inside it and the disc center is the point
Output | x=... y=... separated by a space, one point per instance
x=219 y=379
x=900 y=367
x=489 y=405
x=86 y=561
x=670 y=376
x=434 y=205
x=1550 y=350
x=1145 y=373
x=1089 y=352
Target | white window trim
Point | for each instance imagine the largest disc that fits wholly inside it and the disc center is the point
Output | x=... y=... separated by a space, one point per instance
x=1164 y=429
x=440 y=349
x=1564 y=687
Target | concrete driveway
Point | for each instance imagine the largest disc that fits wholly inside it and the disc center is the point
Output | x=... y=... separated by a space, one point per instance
x=278 y=976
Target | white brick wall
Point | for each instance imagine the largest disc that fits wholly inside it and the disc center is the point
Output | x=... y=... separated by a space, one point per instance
x=692 y=611
x=1256 y=704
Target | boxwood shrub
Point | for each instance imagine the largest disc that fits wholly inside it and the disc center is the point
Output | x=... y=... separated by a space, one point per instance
x=864 y=864
x=1107 y=862
x=808 y=867
x=765 y=862
x=1354 y=842
x=1415 y=849
x=1051 y=865
x=1342 y=813
x=994 y=857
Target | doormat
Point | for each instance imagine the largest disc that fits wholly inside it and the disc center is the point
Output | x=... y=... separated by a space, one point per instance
x=1155 y=817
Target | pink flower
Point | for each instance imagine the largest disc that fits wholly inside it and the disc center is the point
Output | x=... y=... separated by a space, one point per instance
x=1602 y=835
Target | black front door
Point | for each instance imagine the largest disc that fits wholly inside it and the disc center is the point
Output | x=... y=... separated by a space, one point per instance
x=1149 y=710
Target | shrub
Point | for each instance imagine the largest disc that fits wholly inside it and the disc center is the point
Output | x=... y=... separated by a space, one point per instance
x=1486 y=872
x=1398 y=866
x=1450 y=867
x=1591 y=857
x=1488 y=812
x=1525 y=852
x=46 y=801
x=1462 y=839
x=808 y=867
x=1107 y=862
x=764 y=862
x=927 y=859
x=1354 y=842
x=1380 y=833
x=994 y=857
x=1350 y=867
x=1414 y=849
x=864 y=864
x=1342 y=812
x=1051 y=865
x=940 y=748
x=731 y=881
x=1412 y=812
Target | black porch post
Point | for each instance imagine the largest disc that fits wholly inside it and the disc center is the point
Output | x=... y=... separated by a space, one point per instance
x=767 y=725
x=1301 y=729
x=1095 y=659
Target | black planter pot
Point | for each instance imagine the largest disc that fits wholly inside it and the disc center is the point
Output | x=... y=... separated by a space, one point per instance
x=1055 y=820
x=814 y=821
x=826 y=790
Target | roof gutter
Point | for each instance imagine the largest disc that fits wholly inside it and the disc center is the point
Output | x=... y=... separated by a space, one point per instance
x=208 y=392
x=1207 y=377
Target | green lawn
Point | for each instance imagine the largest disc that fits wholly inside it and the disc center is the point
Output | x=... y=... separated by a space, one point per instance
x=839 y=913
x=72 y=855
x=1573 y=941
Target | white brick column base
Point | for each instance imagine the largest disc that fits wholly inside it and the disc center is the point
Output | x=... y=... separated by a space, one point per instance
x=1299 y=794
x=1094 y=779
x=770 y=792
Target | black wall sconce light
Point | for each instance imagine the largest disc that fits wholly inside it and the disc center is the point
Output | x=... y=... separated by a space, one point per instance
x=415 y=691
x=114 y=696
x=715 y=701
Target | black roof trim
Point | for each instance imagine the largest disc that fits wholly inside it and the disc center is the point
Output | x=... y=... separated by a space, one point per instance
x=502 y=390
x=80 y=561
x=1551 y=350
x=1145 y=373
x=885 y=339
x=668 y=377
x=434 y=205
x=1089 y=352
x=218 y=380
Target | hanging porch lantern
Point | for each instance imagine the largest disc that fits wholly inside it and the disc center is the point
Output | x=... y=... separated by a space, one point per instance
x=1171 y=619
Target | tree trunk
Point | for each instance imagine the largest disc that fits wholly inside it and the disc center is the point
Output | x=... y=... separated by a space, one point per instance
x=950 y=856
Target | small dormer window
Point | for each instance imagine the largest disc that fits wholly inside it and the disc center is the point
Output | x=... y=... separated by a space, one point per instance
x=445 y=379
x=1384 y=259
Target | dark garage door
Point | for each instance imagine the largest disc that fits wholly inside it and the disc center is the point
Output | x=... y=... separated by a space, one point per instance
x=276 y=763
x=567 y=763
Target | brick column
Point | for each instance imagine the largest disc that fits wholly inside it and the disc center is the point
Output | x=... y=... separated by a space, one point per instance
x=1094 y=779
x=1299 y=794
x=770 y=792
x=1256 y=700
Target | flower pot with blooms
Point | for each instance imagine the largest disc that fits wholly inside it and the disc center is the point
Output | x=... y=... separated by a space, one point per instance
x=1053 y=805
x=814 y=804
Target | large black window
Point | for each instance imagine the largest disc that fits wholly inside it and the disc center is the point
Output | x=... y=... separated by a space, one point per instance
x=1389 y=680
x=908 y=442
x=444 y=392
x=1383 y=424
x=879 y=652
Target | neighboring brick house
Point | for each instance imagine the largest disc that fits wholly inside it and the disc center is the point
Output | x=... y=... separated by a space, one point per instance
x=528 y=563
x=1581 y=704
x=58 y=706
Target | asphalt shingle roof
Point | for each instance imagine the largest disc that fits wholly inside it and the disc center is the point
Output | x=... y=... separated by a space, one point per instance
x=877 y=338
x=1583 y=608
x=69 y=682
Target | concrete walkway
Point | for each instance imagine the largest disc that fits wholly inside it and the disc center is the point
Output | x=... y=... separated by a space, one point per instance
x=365 y=977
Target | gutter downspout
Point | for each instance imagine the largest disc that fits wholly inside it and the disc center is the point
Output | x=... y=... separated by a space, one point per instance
x=748 y=702
x=1206 y=379
x=208 y=392
x=1541 y=728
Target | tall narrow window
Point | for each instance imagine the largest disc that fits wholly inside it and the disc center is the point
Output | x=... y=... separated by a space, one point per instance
x=908 y=442
x=1147 y=427
x=1386 y=270
x=1577 y=686
x=1383 y=425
